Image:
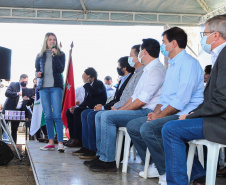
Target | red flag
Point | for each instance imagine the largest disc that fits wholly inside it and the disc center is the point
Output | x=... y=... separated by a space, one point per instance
x=69 y=93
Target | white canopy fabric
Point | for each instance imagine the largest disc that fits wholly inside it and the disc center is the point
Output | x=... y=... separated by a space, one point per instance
x=109 y=12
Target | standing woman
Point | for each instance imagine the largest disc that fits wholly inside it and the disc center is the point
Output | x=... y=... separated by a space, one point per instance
x=49 y=65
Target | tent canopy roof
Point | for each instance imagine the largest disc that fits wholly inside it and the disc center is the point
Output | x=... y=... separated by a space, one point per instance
x=115 y=12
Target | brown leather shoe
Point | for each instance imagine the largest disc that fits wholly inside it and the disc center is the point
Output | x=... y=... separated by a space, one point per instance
x=43 y=140
x=222 y=172
x=68 y=141
x=75 y=143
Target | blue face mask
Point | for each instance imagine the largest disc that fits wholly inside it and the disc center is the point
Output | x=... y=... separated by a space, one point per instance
x=163 y=50
x=130 y=61
x=206 y=47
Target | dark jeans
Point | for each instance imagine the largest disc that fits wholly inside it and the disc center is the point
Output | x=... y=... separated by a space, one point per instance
x=176 y=134
x=74 y=123
x=89 y=129
x=145 y=134
x=14 y=128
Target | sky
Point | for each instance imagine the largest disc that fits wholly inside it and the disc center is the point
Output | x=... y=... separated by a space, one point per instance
x=94 y=46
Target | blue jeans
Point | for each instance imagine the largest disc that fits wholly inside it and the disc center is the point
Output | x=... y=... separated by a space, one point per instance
x=89 y=129
x=107 y=123
x=147 y=134
x=51 y=99
x=175 y=136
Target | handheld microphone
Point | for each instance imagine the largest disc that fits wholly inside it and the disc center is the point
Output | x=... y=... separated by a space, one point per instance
x=53 y=53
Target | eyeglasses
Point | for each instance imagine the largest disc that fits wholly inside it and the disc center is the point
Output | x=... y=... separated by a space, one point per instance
x=202 y=34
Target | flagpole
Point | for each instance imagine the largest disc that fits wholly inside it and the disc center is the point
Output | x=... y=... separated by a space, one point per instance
x=68 y=66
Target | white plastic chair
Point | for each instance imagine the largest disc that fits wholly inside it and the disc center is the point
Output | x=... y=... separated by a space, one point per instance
x=121 y=132
x=212 y=158
x=147 y=163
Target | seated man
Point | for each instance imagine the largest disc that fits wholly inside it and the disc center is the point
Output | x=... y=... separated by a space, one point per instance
x=95 y=93
x=15 y=101
x=182 y=92
x=207 y=121
x=88 y=116
x=143 y=100
x=110 y=89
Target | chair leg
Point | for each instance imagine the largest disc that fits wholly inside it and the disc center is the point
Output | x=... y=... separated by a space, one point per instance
x=126 y=153
x=190 y=158
x=26 y=133
x=222 y=158
x=212 y=158
x=147 y=162
x=119 y=141
x=200 y=154
x=134 y=153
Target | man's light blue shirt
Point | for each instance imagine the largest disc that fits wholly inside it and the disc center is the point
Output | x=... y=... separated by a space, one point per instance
x=184 y=84
x=110 y=91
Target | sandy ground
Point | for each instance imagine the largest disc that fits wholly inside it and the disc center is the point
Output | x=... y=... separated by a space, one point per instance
x=17 y=172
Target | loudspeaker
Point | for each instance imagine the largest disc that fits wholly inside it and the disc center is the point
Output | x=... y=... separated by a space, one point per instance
x=6 y=154
x=5 y=63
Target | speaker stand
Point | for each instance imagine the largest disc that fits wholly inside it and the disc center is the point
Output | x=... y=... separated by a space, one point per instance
x=7 y=132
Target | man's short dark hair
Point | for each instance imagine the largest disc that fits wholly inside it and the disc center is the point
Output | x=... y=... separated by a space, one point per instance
x=123 y=61
x=137 y=49
x=91 y=71
x=23 y=76
x=177 y=34
x=152 y=46
x=207 y=69
x=107 y=78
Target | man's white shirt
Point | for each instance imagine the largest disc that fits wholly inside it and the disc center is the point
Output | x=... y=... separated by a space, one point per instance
x=148 y=89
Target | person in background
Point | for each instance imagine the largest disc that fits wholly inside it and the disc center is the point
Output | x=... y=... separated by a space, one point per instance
x=95 y=93
x=35 y=82
x=15 y=101
x=79 y=95
x=4 y=85
x=49 y=64
x=110 y=89
x=207 y=121
x=207 y=72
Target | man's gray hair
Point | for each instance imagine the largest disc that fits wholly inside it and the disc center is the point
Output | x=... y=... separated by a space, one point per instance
x=217 y=23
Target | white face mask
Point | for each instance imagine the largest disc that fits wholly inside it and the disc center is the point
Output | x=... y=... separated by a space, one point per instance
x=130 y=61
x=139 y=58
x=108 y=86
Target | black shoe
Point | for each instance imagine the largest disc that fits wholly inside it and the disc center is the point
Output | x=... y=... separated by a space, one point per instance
x=80 y=152
x=102 y=166
x=88 y=155
x=88 y=163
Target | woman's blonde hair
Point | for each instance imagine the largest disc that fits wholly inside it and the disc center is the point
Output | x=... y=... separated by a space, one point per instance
x=44 y=46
